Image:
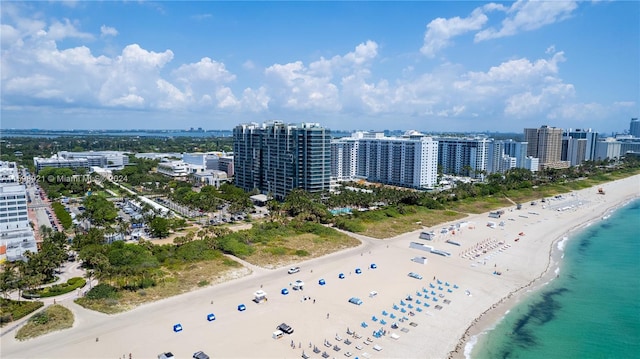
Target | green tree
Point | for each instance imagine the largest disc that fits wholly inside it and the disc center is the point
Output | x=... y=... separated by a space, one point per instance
x=159 y=227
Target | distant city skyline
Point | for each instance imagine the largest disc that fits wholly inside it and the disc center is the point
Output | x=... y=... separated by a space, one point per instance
x=429 y=66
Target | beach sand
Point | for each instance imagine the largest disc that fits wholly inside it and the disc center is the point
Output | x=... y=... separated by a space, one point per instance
x=474 y=288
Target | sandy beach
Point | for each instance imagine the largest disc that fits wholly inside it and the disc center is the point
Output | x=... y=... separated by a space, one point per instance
x=491 y=265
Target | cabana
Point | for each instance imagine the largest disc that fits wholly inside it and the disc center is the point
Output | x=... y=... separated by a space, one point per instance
x=259 y=296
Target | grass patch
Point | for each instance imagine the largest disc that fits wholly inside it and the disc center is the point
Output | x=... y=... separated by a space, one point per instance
x=180 y=278
x=53 y=318
x=11 y=310
x=392 y=222
x=289 y=249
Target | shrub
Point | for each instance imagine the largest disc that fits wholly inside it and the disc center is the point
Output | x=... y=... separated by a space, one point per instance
x=11 y=310
x=40 y=318
x=103 y=291
x=56 y=289
x=302 y=253
x=203 y=283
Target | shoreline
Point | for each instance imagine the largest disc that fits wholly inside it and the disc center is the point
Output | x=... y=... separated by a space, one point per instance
x=438 y=333
x=492 y=316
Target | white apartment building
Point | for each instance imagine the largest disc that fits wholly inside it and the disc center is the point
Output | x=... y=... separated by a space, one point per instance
x=464 y=156
x=407 y=161
x=344 y=157
x=610 y=148
x=16 y=235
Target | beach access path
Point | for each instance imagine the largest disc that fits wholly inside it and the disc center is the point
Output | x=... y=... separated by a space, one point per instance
x=490 y=264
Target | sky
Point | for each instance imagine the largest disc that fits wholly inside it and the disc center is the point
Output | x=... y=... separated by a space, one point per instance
x=430 y=66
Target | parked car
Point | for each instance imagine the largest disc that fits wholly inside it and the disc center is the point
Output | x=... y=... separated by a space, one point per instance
x=355 y=300
x=415 y=275
x=285 y=328
x=293 y=270
x=200 y=355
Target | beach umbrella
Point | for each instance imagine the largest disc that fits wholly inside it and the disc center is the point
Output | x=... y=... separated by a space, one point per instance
x=211 y=317
x=284 y=291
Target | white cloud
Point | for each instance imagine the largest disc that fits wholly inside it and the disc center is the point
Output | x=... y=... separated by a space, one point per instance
x=295 y=86
x=108 y=31
x=526 y=15
x=440 y=31
x=60 y=31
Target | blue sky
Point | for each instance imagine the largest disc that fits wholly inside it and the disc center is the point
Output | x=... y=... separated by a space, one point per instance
x=428 y=66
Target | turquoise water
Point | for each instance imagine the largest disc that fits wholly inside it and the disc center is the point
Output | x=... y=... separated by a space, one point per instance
x=591 y=311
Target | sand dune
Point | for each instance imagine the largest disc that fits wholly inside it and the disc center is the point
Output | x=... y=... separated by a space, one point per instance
x=484 y=270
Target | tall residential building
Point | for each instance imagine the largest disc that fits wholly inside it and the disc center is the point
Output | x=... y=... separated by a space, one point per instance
x=344 y=158
x=634 y=128
x=589 y=138
x=16 y=235
x=464 y=156
x=609 y=148
x=407 y=161
x=545 y=143
x=275 y=158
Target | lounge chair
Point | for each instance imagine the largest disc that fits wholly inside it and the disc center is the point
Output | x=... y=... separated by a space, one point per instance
x=336 y=348
x=347 y=354
x=304 y=355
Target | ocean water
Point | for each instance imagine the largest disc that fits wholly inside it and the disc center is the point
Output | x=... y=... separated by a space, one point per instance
x=592 y=310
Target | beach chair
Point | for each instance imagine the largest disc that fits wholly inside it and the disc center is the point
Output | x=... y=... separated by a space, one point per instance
x=385 y=313
x=395 y=307
x=374 y=318
x=347 y=354
x=304 y=355
x=392 y=316
x=449 y=290
x=336 y=348
x=363 y=324
x=403 y=310
x=418 y=301
x=419 y=309
x=403 y=303
x=338 y=338
x=347 y=341
x=383 y=322
x=316 y=350
x=325 y=355
x=410 y=306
